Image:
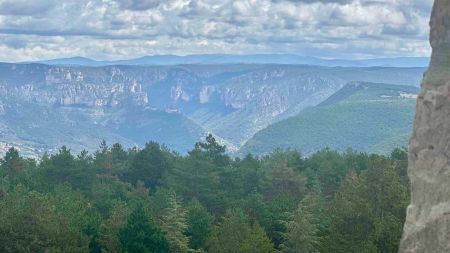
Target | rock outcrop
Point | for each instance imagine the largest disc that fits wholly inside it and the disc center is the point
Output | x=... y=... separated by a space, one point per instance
x=427 y=227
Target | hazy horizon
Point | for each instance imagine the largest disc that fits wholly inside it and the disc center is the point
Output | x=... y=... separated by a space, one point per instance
x=214 y=54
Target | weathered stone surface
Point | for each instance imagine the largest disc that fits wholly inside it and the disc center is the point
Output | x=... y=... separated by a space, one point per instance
x=427 y=227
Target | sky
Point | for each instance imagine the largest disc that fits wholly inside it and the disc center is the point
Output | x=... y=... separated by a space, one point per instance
x=124 y=29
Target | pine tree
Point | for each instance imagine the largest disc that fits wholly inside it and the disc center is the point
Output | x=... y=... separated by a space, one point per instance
x=141 y=235
x=229 y=235
x=30 y=223
x=214 y=151
x=109 y=230
x=353 y=227
x=257 y=210
x=174 y=225
x=12 y=164
x=65 y=167
x=149 y=165
x=199 y=222
x=388 y=195
x=280 y=210
x=284 y=180
x=196 y=177
x=257 y=241
x=301 y=236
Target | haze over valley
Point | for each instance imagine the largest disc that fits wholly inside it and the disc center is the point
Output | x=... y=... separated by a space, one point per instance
x=76 y=103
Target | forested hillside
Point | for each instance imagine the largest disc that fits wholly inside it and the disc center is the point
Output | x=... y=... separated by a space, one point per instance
x=368 y=117
x=155 y=200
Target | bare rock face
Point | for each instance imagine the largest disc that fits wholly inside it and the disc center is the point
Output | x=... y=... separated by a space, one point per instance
x=427 y=227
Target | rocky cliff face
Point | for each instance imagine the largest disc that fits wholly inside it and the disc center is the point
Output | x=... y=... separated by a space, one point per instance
x=427 y=227
x=42 y=105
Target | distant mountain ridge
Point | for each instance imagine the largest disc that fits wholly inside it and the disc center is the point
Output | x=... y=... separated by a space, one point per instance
x=44 y=106
x=165 y=60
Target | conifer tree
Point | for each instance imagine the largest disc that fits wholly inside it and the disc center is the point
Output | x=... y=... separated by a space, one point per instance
x=301 y=235
x=30 y=223
x=199 y=222
x=353 y=225
x=140 y=235
x=12 y=164
x=174 y=224
x=229 y=235
x=257 y=241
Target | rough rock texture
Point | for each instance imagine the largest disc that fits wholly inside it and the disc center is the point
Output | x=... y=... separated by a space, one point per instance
x=427 y=227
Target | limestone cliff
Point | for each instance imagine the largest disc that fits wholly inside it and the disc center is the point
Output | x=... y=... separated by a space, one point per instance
x=427 y=227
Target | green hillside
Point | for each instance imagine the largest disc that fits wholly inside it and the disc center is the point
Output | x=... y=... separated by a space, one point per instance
x=362 y=116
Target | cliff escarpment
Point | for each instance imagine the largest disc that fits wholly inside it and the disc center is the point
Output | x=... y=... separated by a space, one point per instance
x=427 y=226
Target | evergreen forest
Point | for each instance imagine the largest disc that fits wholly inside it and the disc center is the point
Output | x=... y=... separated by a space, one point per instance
x=154 y=200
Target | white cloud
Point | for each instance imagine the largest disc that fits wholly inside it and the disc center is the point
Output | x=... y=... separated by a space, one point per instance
x=107 y=29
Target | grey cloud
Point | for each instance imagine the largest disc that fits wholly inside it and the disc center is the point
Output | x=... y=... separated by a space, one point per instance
x=127 y=28
x=42 y=32
x=139 y=5
x=72 y=33
x=116 y=24
x=25 y=8
x=14 y=43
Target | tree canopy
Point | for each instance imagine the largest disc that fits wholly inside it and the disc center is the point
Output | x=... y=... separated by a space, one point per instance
x=151 y=199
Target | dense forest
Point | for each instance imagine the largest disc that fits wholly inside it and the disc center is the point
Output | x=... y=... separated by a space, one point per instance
x=155 y=200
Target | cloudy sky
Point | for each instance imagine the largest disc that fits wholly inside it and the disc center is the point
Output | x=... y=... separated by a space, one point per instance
x=122 y=29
